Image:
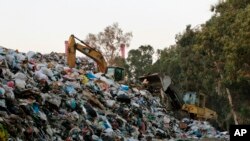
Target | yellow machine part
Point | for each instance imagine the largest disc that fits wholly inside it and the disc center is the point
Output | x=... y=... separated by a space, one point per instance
x=199 y=112
x=88 y=51
x=3 y=134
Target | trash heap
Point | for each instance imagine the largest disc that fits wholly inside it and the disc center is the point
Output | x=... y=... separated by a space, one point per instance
x=41 y=99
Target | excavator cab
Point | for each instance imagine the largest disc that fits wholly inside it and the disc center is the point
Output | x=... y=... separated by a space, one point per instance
x=117 y=73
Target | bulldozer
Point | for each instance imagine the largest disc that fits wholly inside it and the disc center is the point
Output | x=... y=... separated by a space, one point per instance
x=117 y=73
x=192 y=103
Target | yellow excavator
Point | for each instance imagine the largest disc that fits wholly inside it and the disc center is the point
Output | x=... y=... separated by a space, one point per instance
x=116 y=72
x=192 y=103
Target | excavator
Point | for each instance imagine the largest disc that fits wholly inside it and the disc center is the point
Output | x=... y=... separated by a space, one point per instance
x=192 y=103
x=116 y=72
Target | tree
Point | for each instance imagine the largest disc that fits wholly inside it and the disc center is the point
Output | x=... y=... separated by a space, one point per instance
x=146 y=59
x=109 y=41
x=140 y=60
x=134 y=63
x=214 y=59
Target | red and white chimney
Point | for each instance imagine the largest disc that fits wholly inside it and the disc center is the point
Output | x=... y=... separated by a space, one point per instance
x=122 y=47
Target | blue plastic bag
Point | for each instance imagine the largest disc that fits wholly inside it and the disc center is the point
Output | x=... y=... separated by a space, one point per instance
x=70 y=90
x=124 y=88
x=90 y=75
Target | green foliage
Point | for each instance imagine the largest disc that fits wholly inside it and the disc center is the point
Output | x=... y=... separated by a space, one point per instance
x=119 y=62
x=140 y=61
x=212 y=57
x=109 y=41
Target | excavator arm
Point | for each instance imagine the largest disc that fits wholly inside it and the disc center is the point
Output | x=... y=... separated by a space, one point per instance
x=87 y=50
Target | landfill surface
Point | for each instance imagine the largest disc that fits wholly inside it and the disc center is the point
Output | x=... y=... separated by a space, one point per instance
x=42 y=99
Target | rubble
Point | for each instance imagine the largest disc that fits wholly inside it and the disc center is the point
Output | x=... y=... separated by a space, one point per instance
x=42 y=99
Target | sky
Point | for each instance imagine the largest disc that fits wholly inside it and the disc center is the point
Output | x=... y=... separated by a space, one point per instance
x=44 y=25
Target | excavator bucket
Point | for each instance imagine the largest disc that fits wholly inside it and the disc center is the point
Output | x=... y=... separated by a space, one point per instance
x=156 y=82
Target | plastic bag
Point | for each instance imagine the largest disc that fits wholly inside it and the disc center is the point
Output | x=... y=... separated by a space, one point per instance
x=20 y=76
x=2 y=91
x=70 y=90
x=9 y=92
x=20 y=83
x=30 y=54
x=39 y=75
x=90 y=75
x=47 y=72
x=2 y=103
x=85 y=80
x=71 y=103
x=11 y=84
x=110 y=103
x=124 y=87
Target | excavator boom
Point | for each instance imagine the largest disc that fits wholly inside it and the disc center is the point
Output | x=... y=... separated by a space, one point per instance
x=87 y=50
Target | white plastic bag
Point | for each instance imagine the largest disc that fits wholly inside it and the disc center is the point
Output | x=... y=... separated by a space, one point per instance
x=20 y=83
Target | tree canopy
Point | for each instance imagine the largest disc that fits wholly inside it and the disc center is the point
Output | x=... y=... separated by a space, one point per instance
x=140 y=60
x=213 y=58
x=109 y=41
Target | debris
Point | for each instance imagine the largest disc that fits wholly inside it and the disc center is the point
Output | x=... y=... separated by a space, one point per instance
x=49 y=101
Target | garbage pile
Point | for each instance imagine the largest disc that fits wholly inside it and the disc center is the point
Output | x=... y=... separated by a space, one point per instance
x=41 y=99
